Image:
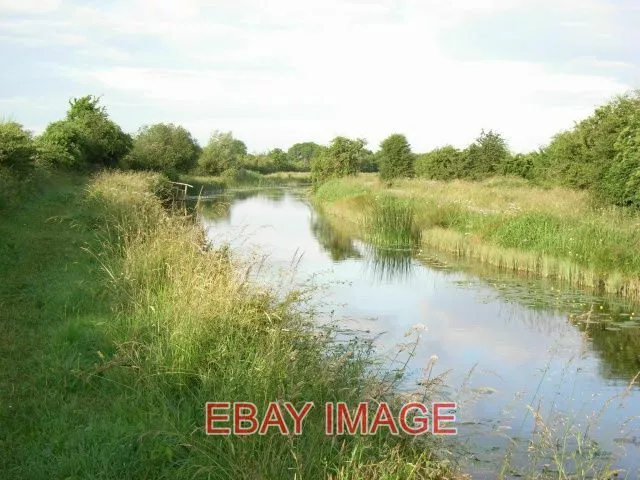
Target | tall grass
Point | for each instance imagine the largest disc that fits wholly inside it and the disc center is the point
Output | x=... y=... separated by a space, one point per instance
x=390 y=222
x=190 y=327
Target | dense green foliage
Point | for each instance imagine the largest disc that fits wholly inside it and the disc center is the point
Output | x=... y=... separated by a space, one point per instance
x=443 y=163
x=164 y=148
x=85 y=137
x=301 y=154
x=17 y=150
x=484 y=157
x=600 y=154
x=396 y=159
x=340 y=159
x=221 y=153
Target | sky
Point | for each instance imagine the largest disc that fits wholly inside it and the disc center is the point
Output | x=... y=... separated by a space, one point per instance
x=279 y=72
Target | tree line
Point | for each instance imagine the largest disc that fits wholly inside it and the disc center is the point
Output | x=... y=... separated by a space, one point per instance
x=600 y=153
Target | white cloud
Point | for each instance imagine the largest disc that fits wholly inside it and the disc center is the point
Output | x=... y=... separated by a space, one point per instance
x=29 y=6
x=285 y=71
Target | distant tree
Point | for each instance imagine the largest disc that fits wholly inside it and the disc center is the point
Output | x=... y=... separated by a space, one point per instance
x=444 y=163
x=85 y=136
x=222 y=152
x=484 y=157
x=301 y=154
x=396 y=159
x=280 y=160
x=17 y=149
x=340 y=159
x=164 y=148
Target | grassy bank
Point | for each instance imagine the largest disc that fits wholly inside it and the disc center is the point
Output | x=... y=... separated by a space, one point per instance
x=556 y=233
x=118 y=324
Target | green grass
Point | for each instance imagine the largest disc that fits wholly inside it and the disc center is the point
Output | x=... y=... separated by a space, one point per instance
x=118 y=324
x=555 y=233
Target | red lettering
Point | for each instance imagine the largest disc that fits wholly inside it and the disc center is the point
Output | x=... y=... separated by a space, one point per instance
x=422 y=420
x=273 y=418
x=298 y=417
x=328 y=418
x=211 y=417
x=239 y=418
x=343 y=418
x=437 y=418
x=383 y=418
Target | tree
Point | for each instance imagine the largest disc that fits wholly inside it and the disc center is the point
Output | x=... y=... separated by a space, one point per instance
x=580 y=157
x=484 y=157
x=396 y=159
x=222 y=152
x=164 y=148
x=17 y=149
x=85 y=136
x=444 y=163
x=340 y=159
x=280 y=160
x=301 y=154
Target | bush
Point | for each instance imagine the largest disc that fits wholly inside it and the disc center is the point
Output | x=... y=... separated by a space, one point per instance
x=166 y=148
x=581 y=157
x=86 y=136
x=443 y=163
x=396 y=159
x=342 y=158
x=621 y=182
x=221 y=153
x=17 y=149
x=484 y=157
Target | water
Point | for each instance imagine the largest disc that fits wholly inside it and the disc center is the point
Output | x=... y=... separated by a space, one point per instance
x=505 y=343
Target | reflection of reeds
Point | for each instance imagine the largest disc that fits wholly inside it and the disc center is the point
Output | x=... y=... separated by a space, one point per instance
x=387 y=264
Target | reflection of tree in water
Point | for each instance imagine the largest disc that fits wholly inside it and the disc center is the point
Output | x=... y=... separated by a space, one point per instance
x=387 y=264
x=275 y=195
x=617 y=342
x=609 y=323
x=216 y=208
x=339 y=245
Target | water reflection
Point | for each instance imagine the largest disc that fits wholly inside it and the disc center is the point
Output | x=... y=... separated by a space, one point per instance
x=509 y=341
x=388 y=264
x=338 y=245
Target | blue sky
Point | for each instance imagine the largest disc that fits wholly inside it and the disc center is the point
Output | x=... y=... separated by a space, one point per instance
x=280 y=72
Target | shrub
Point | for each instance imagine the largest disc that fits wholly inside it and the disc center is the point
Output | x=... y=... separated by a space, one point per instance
x=166 y=148
x=443 y=163
x=340 y=159
x=396 y=159
x=484 y=157
x=17 y=149
x=621 y=181
x=222 y=152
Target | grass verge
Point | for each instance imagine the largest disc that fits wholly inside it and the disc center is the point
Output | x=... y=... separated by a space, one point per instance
x=554 y=233
x=118 y=323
